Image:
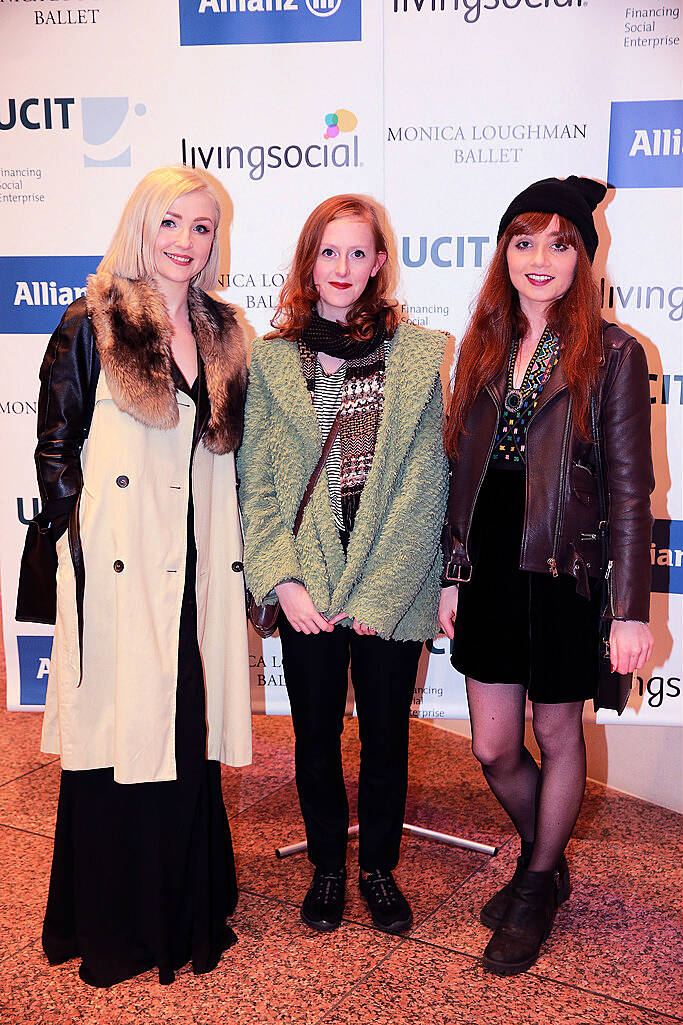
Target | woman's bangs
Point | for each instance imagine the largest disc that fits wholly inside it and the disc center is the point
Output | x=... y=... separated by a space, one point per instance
x=534 y=222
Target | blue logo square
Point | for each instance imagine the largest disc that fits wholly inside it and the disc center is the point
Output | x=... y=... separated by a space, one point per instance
x=234 y=22
x=667 y=556
x=645 y=145
x=34 y=668
x=35 y=290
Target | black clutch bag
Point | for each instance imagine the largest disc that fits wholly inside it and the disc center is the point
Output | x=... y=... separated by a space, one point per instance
x=37 y=591
x=614 y=689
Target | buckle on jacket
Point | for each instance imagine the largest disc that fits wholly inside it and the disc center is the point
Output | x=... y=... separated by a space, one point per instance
x=455 y=573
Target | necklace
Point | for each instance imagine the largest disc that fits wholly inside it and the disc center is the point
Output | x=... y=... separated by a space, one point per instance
x=542 y=361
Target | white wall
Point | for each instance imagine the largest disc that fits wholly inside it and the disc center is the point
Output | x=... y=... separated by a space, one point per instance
x=645 y=761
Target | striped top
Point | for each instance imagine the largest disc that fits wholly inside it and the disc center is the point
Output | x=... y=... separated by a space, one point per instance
x=327 y=400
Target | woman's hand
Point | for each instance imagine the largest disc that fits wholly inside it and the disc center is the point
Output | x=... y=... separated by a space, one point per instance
x=360 y=628
x=299 y=609
x=630 y=645
x=448 y=606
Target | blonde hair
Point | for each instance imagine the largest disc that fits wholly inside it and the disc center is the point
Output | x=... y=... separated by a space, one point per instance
x=130 y=252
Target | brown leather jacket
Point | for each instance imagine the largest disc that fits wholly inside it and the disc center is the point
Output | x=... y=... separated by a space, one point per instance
x=562 y=519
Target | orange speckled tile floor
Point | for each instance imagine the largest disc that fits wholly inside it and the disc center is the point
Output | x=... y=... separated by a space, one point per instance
x=615 y=955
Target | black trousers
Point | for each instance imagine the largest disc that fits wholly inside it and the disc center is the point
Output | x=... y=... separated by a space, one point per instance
x=383 y=676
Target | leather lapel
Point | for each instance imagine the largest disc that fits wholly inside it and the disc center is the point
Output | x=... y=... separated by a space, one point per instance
x=555 y=384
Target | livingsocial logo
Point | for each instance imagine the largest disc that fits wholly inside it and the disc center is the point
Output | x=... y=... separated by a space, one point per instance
x=646 y=145
x=339 y=121
x=262 y=157
x=233 y=22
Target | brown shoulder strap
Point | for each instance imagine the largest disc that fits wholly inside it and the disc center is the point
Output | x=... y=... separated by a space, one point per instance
x=315 y=476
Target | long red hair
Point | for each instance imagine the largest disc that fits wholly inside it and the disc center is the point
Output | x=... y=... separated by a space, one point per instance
x=299 y=294
x=498 y=318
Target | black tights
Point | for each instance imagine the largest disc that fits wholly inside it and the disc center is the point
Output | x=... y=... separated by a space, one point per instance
x=542 y=803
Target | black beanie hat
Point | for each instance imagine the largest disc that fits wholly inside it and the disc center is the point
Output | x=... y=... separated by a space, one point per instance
x=573 y=198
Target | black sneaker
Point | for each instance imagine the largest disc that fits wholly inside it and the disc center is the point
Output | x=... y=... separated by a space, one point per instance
x=389 y=908
x=323 y=905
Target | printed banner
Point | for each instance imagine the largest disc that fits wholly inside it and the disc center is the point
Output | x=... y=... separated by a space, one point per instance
x=285 y=102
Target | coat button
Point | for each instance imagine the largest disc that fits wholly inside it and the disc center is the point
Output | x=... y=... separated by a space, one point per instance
x=118 y=566
x=238 y=567
x=122 y=481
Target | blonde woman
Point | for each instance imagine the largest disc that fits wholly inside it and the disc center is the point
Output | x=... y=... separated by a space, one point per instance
x=148 y=687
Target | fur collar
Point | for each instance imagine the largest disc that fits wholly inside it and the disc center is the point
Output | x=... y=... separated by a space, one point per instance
x=133 y=335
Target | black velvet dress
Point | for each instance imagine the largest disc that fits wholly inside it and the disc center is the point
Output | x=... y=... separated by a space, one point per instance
x=143 y=875
x=512 y=626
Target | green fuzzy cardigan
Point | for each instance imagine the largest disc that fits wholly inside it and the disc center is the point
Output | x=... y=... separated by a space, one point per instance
x=390 y=579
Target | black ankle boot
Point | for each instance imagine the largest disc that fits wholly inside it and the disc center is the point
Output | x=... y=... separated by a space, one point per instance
x=495 y=907
x=527 y=922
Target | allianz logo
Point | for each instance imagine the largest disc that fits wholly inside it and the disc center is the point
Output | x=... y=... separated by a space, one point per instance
x=46 y=293
x=321 y=8
x=672 y=557
x=656 y=142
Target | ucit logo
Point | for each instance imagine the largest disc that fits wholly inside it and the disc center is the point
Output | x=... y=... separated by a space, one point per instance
x=105 y=129
x=444 y=251
x=645 y=144
x=231 y=22
x=34 y=668
x=105 y=122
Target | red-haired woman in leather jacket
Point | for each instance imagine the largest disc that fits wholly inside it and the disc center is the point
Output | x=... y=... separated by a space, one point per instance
x=523 y=578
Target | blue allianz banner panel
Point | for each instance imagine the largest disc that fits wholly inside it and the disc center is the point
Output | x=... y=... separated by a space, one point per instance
x=35 y=290
x=232 y=22
x=34 y=668
x=666 y=556
x=645 y=145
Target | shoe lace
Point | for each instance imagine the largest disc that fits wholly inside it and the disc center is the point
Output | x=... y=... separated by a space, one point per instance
x=384 y=888
x=326 y=885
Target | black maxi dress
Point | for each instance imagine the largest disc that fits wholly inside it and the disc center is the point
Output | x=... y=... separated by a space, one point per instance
x=143 y=875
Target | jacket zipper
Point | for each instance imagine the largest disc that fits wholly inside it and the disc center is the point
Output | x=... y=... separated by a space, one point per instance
x=552 y=561
x=481 y=479
x=608 y=580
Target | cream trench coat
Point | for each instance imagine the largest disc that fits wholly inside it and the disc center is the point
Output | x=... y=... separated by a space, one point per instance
x=133 y=539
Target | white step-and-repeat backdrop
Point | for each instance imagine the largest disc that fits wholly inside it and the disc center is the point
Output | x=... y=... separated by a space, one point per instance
x=441 y=109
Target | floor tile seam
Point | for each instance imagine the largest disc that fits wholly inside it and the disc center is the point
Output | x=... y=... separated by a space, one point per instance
x=477 y=868
x=265 y=797
x=390 y=953
x=29 y=832
x=550 y=979
x=23 y=775
x=296 y=905
x=608 y=996
x=19 y=950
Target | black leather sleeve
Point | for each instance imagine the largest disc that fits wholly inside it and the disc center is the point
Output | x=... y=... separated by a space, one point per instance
x=65 y=377
x=630 y=481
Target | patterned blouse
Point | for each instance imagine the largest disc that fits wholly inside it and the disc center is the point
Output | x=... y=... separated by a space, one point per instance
x=519 y=403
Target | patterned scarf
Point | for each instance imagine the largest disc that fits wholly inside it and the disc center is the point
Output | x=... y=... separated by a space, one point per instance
x=362 y=402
